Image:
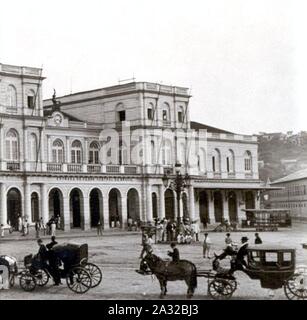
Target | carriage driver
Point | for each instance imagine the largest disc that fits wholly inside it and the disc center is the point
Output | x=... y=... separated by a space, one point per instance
x=175 y=253
x=49 y=262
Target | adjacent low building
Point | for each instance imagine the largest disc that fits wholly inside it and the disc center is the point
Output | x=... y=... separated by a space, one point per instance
x=292 y=194
x=57 y=156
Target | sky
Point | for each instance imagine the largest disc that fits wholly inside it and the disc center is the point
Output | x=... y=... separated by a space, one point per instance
x=244 y=60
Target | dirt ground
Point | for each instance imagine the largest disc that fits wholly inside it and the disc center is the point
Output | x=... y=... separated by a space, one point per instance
x=117 y=256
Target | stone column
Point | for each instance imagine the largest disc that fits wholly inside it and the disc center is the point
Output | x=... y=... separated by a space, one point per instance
x=42 y=145
x=3 y=212
x=192 y=203
x=211 y=207
x=161 y=202
x=241 y=206
x=44 y=203
x=49 y=152
x=225 y=206
x=25 y=146
x=67 y=158
x=149 y=216
x=86 y=213
x=2 y=142
x=106 y=222
x=66 y=213
x=27 y=202
x=124 y=211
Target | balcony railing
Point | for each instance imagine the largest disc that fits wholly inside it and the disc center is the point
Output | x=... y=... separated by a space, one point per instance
x=113 y=169
x=13 y=166
x=74 y=168
x=54 y=167
x=130 y=170
x=94 y=168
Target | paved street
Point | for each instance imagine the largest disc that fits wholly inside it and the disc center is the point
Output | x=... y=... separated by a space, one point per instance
x=117 y=255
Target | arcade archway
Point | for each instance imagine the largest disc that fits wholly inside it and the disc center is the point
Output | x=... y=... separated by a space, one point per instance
x=56 y=205
x=96 y=207
x=232 y=207
x=35 y=207
x=203 y=208
x=218 y=206
x=115 y=208
x=169 y=199
x=76 y=208
x=14 y=207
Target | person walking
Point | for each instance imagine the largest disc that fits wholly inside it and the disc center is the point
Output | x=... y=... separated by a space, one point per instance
x=206 y=246
x=25 y=228
x=228 y=240
x=257 y=239
x=99 y=228
x=2 y=230
x=19 y=223
x=42 y=226
x=196 y=230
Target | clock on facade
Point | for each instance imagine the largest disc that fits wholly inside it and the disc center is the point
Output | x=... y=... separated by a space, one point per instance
x=58 y=119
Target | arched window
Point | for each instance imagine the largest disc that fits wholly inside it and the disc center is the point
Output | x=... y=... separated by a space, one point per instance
x=150 y=111
x=12 y=146
x=76 y=152
x=247 y=161
x=93 y=153
x=31 y=99
x=166 y=112
x=230 y=161
x=216 y=161
x=180 y=114
x=32 y=147
x=153 y=152
x=57 y=151
x=167 y=152
x=12 y=97
x=123 y=153
x=202 y=160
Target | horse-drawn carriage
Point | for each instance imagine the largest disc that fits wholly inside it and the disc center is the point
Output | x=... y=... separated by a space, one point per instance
x=274 y=266
x=73 y=266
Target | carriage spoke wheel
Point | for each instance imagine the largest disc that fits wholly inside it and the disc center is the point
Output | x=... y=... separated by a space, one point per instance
x=42 y=277
x=79 y=280
x=27 y=282
x=221 y=289
x=296 y=286
x=95 y=273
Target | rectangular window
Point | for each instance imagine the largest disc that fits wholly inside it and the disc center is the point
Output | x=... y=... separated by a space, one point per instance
x=78 y=156
x=227 y=163
x=54 y=159
x=30 y=102
x=73 y=158
x=213 y=164
x=180 y=117
x=150 y=114
x=122 y=115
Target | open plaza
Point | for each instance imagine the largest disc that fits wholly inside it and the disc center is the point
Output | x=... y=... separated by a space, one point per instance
x=117 y=255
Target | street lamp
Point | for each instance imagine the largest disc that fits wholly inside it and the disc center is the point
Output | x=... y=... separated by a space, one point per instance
x=178 y=184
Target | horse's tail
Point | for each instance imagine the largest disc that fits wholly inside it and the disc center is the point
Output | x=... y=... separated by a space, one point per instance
x=194 y=277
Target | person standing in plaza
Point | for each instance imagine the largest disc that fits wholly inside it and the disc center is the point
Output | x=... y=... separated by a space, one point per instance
x=206 y=246
x=228 y=240
x=99 y=228
x=257 y=239
x=2 y=230
x=53 y=228
x=42 y=226
x=37 y=229
x=25 y=228
x=19 y=223
x=195 y=230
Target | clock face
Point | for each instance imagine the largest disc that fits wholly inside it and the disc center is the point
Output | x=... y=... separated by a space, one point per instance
x=57 y=119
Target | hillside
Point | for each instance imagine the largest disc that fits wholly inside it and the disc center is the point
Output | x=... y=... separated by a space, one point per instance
x=280 y=158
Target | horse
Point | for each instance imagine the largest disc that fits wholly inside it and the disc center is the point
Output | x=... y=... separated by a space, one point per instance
x=171 y=271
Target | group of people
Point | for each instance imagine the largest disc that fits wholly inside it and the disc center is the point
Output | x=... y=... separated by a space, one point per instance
x=49 y=228
x=182 y=231
x=230 y=246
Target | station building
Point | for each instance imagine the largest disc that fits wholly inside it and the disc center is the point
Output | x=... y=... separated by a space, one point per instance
x=56 y=156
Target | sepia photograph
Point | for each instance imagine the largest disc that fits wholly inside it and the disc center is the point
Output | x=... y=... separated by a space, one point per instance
x=153 y=150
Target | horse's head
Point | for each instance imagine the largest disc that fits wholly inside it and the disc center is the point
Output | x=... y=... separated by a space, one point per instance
x=144 y=265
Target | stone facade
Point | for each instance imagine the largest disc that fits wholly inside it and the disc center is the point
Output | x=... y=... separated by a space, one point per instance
x=55 y=159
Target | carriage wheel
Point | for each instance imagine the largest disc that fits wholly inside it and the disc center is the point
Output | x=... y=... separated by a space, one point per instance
x=221 y=289
x=42 y=277
x=95 y=274
x=27 y=282
x=296 y=286
x=79 y=280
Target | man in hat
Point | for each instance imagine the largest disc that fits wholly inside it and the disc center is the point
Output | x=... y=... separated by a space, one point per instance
x=175 y=253
x=257 y=239
x=240 y=263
